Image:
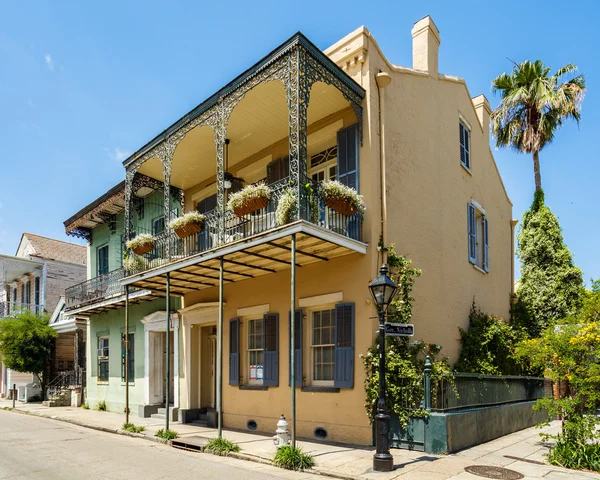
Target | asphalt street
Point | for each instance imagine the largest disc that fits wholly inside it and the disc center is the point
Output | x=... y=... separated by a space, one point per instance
x=38 y=448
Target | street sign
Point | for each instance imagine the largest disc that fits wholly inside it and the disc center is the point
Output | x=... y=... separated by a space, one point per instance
x=399 y=329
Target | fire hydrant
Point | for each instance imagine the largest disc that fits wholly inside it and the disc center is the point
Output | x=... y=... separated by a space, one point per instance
x=282 y=434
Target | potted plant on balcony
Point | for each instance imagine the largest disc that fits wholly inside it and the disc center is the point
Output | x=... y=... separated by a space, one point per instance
x=188 y=224
x=286 y=207
x=133 y=263
x=141 y=244
x=249 y=199
x=342 y=199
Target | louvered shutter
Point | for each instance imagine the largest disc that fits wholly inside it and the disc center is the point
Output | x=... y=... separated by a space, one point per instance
x=278 y=170
x=271 y=331
x=344 y=346
x=234 y=351
x=486 y=253
x=298 y=349
x=347 y=158
x=472 y=225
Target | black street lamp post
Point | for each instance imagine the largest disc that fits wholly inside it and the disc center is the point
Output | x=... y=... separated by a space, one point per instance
x=383 y=290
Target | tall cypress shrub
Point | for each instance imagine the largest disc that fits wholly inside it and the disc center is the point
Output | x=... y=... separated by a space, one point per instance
x=551 y=286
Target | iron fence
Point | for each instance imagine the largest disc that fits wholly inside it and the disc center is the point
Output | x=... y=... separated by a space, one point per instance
x=222 y=229
x=98 y=288
x=461 y=391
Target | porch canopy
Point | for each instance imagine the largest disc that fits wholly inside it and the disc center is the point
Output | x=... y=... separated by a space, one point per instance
x=260 y=255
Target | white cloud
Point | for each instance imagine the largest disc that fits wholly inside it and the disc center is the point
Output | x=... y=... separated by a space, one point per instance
x=49 y=62
x=118 y=154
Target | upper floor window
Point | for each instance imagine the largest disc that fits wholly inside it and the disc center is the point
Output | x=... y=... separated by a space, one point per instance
x=102 y=260
x=158 y=225
x=465 y=145
x=323 y=165
x=478 y=237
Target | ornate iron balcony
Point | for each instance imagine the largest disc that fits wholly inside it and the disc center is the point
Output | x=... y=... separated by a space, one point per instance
x=95 y=289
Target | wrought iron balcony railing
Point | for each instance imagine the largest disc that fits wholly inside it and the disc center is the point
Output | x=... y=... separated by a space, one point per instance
x=220 y=231
x=95 y=289
x=10 y=309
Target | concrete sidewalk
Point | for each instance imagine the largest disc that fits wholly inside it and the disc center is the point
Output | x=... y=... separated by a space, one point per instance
x=521 y=451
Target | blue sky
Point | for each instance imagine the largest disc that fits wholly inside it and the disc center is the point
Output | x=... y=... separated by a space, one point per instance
x=82 y=85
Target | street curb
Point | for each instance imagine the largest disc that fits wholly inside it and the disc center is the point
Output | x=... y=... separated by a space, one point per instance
x=117 y=431
x=239 y=456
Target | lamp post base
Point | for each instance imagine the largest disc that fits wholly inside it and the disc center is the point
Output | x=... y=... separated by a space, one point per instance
x=383 y=462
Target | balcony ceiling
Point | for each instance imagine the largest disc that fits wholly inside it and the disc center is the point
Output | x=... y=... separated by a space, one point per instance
x=266 y=253
x=258 y=121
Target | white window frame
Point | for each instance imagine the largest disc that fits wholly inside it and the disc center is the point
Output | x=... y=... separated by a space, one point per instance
x=248 y=321
x=467 y=127
x=480 y=218
x=312 y=347
x=324 y=167
x=103 y=356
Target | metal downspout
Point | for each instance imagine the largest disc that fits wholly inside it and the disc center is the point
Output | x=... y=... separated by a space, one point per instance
x=383 y=79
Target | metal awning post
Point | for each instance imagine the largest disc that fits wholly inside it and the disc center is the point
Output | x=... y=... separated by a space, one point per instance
x=220 y=354
x=126 y=353
x=168 y=362
x=293 y=339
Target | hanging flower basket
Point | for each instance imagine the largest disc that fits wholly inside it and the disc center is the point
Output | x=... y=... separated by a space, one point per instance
x=141 y=244
x=188 y=224
x=342 y=199
x=249 y=199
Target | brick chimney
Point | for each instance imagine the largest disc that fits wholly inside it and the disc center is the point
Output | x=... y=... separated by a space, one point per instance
x=426 y=45
x=483 y=109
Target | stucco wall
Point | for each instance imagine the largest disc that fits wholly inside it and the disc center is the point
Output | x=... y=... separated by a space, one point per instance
x=343 y=413
x=427 y=195
x=112 y=324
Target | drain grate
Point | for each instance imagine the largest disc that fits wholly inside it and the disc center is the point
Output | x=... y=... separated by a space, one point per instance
x=488 y=471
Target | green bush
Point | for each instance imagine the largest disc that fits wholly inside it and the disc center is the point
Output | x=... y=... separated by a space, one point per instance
x=130 y=427
x=221 y=446
x=488 y=346
x=85 y=406
x=101 y=406
x=292 y=458
x=167 y=434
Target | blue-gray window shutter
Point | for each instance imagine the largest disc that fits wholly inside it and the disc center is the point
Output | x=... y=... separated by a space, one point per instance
x=298 y=349
x=343 y=376
x=347 y=157
x=234 y=351
x=271 y=329
x=472 y=223
x=486 y=253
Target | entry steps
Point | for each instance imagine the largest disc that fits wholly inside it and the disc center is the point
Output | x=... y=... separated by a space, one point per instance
x=161 y=415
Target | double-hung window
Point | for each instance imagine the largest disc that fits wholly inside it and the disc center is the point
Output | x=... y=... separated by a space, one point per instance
x=256 y=354
x=322 y=346
x=477 y=224
x=103 y=359
x=465 y=145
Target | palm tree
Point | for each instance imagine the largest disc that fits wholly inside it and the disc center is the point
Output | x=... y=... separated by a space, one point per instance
x=534 y=105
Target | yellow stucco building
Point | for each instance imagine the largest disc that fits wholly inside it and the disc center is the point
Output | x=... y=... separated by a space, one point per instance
x=411 y=140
